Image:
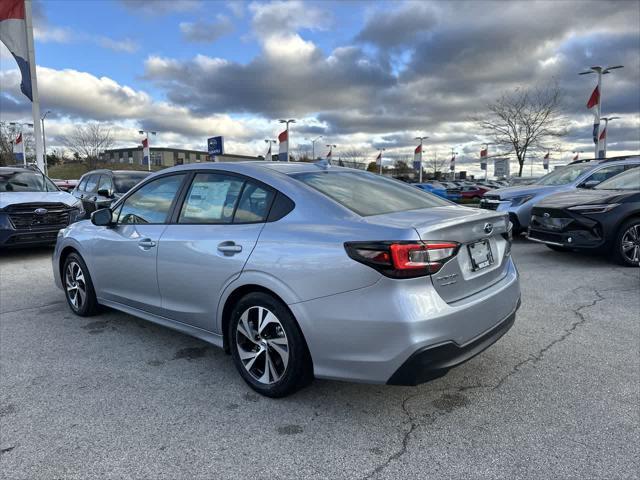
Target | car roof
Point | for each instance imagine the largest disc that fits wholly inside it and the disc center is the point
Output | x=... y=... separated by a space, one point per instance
x=17 y=169
x=106 y=170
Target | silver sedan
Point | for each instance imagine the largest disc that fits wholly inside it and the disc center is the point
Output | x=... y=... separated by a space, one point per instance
x=299 y=271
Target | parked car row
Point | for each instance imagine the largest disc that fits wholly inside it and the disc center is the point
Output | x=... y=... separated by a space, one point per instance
x=592 y=205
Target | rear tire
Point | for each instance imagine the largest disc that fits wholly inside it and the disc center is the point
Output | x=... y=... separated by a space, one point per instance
x=78 y=287
x=267 y=346
x=626 y=249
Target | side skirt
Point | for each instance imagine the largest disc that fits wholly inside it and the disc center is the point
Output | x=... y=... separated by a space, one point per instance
x=204 y=335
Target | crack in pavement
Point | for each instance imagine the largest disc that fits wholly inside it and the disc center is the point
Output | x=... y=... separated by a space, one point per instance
x=414 y=424
x=31 y=308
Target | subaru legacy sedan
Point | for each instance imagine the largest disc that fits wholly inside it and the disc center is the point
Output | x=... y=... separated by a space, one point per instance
x=299 y=271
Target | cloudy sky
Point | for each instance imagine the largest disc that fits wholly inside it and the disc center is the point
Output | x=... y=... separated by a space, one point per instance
x=365 y=75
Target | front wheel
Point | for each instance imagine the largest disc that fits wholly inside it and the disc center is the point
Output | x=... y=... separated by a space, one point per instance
x=267 y=346
x=78 y=287
x=626 y=250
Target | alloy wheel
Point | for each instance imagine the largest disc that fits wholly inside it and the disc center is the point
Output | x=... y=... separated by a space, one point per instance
x=75 y=285
x=631 y=244
x=262 y=345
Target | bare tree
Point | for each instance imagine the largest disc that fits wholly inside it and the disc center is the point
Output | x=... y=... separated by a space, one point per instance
x=435 y=164
x=88 y=141
x=524 y=119
x=354 y=158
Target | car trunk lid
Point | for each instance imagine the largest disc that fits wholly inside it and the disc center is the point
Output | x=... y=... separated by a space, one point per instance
x=474 y=229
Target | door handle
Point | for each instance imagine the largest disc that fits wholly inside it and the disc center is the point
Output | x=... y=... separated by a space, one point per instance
x=229 y=248
x=146 y=243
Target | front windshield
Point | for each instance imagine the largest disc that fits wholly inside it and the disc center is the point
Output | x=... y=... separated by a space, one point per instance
x=629 y=180
x=25 y=181
x=564 y=175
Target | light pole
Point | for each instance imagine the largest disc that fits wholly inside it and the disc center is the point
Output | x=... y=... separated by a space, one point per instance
x=485 y=147
x=313 y=146
x=420 y=174
x=147 y=132
x=287 y=122
x=44 y=141
x=452 y=162
x=605 y=133
x=269 y=142
x=24 y=149
x=380 y=157
x=599 y=71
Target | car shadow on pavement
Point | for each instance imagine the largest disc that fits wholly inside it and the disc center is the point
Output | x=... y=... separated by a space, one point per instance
x=25 y=253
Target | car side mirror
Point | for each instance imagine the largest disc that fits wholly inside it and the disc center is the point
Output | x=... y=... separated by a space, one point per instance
x=102 y=217
x=590 y=184
x=105 y=192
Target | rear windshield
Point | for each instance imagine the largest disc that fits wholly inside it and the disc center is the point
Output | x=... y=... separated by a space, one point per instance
x=123 y=182
x=368 y=194
x=629 y=180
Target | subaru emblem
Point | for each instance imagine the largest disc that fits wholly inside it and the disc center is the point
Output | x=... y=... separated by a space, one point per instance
x=488 y=228
x=546 y=215
x=40 y=211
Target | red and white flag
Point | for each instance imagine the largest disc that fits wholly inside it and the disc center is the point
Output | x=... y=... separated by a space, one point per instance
x=379 y=159
x=417 y=155
x=13 y=33
x=452 y=164
x=146 y=157
x=545 y=162
x=283 y=152
x=18 y=149
x=483 y=158
x=603 y=135
x=577 y=157
x=329 y=154
x=592 y=104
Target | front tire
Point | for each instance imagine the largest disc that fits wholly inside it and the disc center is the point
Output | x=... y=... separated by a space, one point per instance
x=267 y=346
x=78 y=287
x=626 y=249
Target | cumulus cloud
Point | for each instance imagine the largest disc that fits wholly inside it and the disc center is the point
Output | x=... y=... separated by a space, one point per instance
x=203 y=31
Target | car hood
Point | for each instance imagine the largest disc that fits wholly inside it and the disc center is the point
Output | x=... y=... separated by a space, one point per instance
x=584 y=197
x=14 y=198
x=511 y=192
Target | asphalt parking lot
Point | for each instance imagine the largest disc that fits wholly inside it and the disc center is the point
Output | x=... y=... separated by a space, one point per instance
x=116 y=397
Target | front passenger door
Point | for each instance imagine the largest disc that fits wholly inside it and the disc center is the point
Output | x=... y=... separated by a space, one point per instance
x=124 y=255
x=209 y=243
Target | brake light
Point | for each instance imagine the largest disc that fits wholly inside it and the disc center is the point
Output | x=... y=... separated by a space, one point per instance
x=403 y=259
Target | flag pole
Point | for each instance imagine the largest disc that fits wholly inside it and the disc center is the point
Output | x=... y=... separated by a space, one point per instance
x=599 y=107
x=35 y=104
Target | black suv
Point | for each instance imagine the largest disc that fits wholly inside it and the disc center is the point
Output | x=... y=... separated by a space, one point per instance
x=98 y=188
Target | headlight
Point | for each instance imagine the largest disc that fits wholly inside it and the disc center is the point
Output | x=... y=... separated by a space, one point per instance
x=515 y=201
x=594 y=208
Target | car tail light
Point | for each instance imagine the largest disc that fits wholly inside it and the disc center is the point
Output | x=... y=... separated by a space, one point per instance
x=508 y=236
x=403 y=259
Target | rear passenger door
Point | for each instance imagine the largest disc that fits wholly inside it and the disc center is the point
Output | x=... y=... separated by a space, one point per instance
x=208 y=243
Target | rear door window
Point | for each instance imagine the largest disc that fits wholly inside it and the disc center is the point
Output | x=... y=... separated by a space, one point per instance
x=368 y=194
x=211 y=199
x=254 y=204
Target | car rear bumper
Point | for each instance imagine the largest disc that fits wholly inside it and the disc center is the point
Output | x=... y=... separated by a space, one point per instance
x=368 y=334
x=430 y=363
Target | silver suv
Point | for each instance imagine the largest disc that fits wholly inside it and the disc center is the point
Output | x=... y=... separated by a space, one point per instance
x=518 y=201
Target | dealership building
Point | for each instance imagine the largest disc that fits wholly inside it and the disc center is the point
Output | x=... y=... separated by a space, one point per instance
x=168 y=157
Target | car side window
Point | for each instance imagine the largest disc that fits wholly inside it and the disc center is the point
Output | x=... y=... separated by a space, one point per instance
x=105 y=183
x=92 y=183
x=152 y=202
x=254 y=204
x=83 y=184
x=211 y=199
x=605 y=173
